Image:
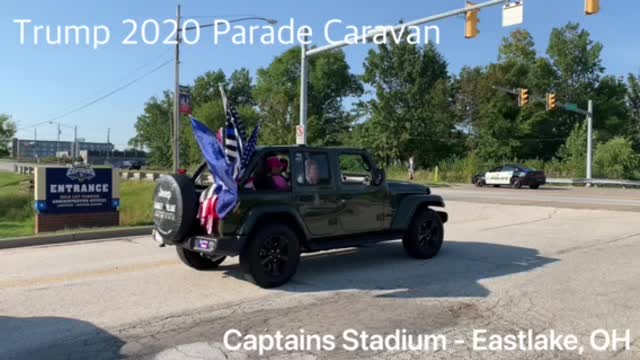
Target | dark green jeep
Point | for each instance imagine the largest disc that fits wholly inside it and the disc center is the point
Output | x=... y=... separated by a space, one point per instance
x=330 y=198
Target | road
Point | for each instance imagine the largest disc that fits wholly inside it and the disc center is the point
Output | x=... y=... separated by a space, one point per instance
x=566 y=197
x=6 y=165
x=504 y=268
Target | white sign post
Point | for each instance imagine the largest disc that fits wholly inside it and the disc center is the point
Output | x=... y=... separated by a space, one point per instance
x=513 y=13
x=300 y=138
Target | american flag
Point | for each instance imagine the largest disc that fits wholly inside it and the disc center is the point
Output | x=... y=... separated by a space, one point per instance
x=250 y=148
x=228 y=155
x=234 y=139
x=221 y=198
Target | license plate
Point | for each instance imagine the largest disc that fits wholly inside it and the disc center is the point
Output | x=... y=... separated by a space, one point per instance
x=207 y=245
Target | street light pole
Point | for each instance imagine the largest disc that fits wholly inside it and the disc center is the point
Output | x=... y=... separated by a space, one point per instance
x=589 y=142
x=176 y=101
x=304 y=71
x=108 y=142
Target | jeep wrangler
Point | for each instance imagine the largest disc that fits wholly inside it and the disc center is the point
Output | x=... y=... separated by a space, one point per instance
x=333 y=198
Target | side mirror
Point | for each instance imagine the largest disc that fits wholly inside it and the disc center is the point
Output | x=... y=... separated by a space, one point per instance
x=379 y=176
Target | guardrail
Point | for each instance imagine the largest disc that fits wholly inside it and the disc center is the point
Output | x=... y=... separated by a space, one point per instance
x=135 y=175
x=141 y=175
x=594 y=182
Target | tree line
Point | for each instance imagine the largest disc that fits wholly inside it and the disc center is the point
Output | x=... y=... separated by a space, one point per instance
x=409 y=103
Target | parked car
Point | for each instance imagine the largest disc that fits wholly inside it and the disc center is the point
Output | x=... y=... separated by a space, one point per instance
x=515 y=176
x=335 y=198
x=131 y=165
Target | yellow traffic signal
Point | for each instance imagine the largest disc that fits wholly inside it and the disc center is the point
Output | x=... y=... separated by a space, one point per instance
x=471 y=23
x=552 y=101
x=592 y=7
x=523 y=97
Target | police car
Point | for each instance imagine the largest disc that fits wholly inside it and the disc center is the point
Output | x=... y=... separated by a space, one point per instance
x=515 y=176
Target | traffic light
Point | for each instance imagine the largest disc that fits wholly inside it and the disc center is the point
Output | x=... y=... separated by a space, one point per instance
x=471 y=23
x=523 y=97
x=592 y=7
x=552 y=102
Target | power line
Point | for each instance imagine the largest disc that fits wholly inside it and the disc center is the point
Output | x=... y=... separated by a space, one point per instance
x=102 y=97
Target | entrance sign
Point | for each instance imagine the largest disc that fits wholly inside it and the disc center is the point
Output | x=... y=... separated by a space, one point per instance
x=78 y=196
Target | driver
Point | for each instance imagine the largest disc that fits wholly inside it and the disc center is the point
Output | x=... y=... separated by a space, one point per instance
x=312 y=172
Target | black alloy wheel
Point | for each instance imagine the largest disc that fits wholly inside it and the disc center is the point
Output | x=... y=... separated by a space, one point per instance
x=425 y=235
x=272 y=256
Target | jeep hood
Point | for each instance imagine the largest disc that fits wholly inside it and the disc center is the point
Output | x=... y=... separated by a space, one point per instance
x=399 y=187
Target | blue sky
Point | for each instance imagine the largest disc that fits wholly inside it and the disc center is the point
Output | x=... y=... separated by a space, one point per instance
x=41 y=82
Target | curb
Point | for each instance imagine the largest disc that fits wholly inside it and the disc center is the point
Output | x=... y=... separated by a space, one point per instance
x=73 y=237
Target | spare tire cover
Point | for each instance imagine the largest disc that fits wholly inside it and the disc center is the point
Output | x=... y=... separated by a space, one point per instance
x=175 y=205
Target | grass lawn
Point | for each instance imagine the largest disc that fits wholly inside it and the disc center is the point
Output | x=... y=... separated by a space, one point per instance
x=17 y=216
x=421 y=177
x=16 y=205
x=136 y=203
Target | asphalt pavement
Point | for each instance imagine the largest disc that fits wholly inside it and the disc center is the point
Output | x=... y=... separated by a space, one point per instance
x=565 y=197
x=503 y=268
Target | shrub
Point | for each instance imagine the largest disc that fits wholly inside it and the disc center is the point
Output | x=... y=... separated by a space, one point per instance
x=615 y=159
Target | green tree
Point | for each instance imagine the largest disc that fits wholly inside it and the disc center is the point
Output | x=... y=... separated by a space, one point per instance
x=153 y=129
x=577 y=60
x=413 y=112
x=206 y=87
x=574 y=152
x=519 y=47
x=7 y=131
x=633 y=104
x=240 y=90
x=277 y=94
x=615 y=159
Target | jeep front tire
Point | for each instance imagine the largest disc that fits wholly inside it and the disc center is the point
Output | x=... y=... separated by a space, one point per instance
x=272 y=256
x=425 y=235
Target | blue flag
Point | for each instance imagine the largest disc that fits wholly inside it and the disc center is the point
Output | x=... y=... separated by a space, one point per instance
x=226 y=187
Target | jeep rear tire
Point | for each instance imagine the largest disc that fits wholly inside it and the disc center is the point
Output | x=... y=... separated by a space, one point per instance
x=175 y=207
x=272 y=256
x=425 y=235
x=198 y=261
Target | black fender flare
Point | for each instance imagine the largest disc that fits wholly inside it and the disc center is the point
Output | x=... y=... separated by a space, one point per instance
x=272 y=214
x=410 y=204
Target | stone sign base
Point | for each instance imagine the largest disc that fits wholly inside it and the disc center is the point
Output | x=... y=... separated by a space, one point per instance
x=56 y=222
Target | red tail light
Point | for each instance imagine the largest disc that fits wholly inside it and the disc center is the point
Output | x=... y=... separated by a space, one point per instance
x=182 y=171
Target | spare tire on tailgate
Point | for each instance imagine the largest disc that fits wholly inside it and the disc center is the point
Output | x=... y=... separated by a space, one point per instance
x=175 y=207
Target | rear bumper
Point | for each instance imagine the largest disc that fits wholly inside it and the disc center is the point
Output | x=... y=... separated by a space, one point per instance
x=528 y=181
x=223 y=246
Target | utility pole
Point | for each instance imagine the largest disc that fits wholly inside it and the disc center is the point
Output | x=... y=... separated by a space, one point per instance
x=304 y=71
x=75 y=143
x=176 y=101
x=35 y=143
x=108 y=141
x=58 y=142
x=589 y=141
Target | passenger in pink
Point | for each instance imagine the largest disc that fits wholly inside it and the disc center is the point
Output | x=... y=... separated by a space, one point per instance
x=278 y=181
